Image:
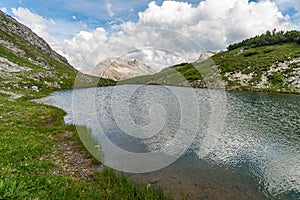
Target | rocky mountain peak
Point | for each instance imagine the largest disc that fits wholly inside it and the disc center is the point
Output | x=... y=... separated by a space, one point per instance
x=118 y=69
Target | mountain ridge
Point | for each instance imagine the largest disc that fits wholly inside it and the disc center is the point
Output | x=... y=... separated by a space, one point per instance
x=10 y=24
x=118 y=69
x=268 y=63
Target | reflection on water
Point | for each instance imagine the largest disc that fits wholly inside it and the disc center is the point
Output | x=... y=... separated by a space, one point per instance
x=256 y=156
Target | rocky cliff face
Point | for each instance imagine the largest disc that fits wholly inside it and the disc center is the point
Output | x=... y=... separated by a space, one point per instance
x=27 y=62
x=281 y=71
x=117 y=69
x=11 y=26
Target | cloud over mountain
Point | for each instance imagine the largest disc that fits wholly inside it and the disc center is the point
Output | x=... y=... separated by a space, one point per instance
x=171 y=32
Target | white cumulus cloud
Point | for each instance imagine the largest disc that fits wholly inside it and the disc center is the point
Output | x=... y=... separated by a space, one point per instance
x=285 y=4
x=170 y=33
x=3 y=9
x=78 y=49
x=177 y=32
x=109 y=9
x=54 y=32
x=37 y=23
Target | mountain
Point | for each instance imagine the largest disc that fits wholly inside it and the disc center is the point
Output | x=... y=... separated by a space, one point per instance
x=28 y=64
x=117 y=69
x=269 y=62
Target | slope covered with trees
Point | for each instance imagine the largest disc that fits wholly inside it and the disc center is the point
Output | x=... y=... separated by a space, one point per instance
x=269 y=38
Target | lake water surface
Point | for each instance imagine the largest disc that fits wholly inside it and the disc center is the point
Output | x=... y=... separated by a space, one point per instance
x=207 y=144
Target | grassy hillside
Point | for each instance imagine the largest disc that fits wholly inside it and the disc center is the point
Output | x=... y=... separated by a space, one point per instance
x=41 y=157
x=274 y=67
x=23 y=66
x=266 y=67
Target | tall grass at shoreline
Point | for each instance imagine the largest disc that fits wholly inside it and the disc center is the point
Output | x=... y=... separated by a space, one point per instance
x=30 y=136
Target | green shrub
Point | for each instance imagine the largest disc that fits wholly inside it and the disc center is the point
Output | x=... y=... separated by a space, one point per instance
x=250 y=53
x=276 y=78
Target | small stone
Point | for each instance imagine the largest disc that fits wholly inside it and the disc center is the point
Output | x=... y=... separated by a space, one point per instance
x=41 y=158
x=35 y=88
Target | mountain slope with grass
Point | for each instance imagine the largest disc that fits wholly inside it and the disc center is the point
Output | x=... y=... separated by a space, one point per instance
x=28 y=64
x=41 y=157
x=269 y=62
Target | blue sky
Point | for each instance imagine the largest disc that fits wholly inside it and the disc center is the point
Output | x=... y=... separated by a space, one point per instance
x=76 y=28
x=94 y=13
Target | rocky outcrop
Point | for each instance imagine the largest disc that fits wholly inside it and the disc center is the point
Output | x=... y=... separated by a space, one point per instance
x=117 y=69
x=26 y=60
x=10 y=25
x=287 y=73
x=29 y=66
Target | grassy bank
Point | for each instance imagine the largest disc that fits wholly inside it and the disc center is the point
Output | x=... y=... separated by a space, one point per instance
x=41 y=158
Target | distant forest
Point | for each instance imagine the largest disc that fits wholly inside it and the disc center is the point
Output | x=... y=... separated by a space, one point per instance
x=268 y=38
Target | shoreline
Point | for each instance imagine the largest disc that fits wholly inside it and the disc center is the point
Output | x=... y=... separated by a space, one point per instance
x=43 y=158
x=266 y=91
x=154 y=181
